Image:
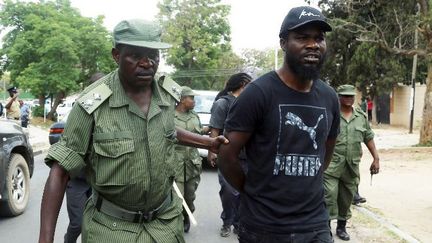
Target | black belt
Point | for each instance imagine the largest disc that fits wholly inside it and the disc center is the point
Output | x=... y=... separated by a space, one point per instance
x=109 y=208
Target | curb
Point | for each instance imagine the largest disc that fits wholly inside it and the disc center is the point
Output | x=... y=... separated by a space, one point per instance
x=405 y=236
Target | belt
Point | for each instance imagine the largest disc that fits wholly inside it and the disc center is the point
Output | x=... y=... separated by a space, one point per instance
x=109 y=208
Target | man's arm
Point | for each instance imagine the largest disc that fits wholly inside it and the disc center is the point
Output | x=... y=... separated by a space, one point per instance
x=211 y=157
x=228 y=159
x=330 y=144
x=13 y=98
x=374 y=168
x=51 y=202
x=198 y=141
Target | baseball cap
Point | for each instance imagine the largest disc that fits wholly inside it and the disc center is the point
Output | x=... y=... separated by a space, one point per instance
x=139 y=32
x=12 y=89
x=186 y=91
x=346 y=89
x=300 y=16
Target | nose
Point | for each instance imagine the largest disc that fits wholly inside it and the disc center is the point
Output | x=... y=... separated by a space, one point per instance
x=313 y=44
x=146 y=62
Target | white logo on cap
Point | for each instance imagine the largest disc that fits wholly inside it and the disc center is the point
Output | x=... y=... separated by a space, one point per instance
x=303 y=13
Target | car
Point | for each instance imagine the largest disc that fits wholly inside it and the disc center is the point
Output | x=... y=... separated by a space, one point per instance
x=203 y=104
x=56 y=129
x=16 y=168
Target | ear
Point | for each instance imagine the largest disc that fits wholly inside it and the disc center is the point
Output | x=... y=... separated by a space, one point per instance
x=115 y=54
x=282 y=43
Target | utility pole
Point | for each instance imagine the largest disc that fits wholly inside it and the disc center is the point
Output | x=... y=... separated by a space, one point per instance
x=413 y=75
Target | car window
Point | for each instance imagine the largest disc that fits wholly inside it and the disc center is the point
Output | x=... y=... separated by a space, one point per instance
x=204 y=102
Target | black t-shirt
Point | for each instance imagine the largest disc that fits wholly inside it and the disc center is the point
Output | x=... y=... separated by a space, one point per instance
x=284 y=190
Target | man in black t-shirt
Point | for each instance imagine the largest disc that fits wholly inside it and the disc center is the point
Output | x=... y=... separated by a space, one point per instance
x=288 y=120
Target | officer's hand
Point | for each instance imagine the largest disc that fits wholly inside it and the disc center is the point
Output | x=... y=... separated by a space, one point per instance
x=216 y=143
x=374 y=168
x=211 y=159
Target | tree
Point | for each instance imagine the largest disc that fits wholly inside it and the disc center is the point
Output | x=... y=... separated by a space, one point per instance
x=51 y=49
x=384 y=33
x=200 y=34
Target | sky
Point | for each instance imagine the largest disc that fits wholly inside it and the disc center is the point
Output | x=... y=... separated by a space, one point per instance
x=254 y=24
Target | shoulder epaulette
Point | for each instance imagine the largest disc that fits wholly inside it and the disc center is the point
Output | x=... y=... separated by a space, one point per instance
x=359 y=110
x=94 y=97
x=170 y=86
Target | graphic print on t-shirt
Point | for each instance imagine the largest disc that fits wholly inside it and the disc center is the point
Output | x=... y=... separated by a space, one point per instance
x=301 y=130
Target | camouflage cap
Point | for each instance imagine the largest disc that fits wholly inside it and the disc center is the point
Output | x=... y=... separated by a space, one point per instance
x=186 y=91
x=138 y=32
x=346 y=89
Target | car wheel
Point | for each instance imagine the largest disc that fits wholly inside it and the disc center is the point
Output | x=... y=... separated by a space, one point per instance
x=17 y=187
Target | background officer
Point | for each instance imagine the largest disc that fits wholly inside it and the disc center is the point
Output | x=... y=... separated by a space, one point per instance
x=12 y=104
x=343 y=176
x=190 y=163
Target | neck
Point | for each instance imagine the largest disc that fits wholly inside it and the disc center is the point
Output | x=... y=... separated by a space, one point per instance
x=346 y=111
x=292 y=81
x=181 y=108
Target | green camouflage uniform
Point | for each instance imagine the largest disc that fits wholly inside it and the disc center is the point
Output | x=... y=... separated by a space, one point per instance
x=128 y=159
x=188 y=157
x=343 y=176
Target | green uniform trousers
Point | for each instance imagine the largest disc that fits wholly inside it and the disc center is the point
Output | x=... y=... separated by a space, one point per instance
x=99 y=227
x=340 y=190
x=189 y=187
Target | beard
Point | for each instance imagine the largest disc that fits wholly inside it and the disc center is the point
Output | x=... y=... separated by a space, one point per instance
x=304 y=72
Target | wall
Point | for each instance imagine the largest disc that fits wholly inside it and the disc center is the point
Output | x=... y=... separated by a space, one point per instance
x=400 y=105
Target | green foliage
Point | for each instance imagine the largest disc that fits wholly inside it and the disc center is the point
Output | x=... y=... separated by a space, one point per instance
x=37 y=111
x=200 y=33
x=50 y=48
x=364 y=46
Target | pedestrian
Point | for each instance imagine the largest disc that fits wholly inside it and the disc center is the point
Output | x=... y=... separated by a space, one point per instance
x=342 y=177
x=24 y=113
x=190 y=163
x=12 y=104
x=369 y=109
x=288 y=120
x=230 y=197
x=121 y=130
x=78 y=191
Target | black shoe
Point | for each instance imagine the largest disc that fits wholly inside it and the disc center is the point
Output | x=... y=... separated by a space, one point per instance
x=342 y=234
x=358 y=200
x=341 y=230
x=225 y=231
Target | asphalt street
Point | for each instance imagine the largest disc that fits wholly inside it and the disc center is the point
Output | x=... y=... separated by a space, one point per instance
x=25 y=228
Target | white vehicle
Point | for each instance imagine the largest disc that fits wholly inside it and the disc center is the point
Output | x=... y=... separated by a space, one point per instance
x=203 y=104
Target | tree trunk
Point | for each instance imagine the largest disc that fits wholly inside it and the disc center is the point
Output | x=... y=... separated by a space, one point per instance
x=426 y=127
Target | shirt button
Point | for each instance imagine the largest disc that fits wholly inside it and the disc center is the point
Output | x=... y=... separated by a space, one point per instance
x=114 y=224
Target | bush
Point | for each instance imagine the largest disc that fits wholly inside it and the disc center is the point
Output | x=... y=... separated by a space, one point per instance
x=37 y=111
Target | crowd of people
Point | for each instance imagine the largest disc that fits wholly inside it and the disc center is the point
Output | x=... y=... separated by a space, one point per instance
x=287 y=146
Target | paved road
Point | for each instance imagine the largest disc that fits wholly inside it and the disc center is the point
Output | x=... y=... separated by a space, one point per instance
x=25 y=228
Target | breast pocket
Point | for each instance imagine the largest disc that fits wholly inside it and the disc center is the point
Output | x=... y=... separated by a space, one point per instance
x=114 y=158
x=359 y=134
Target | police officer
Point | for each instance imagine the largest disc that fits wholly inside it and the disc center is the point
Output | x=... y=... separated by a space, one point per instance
x=12 y=104
x=190 y=168
x=121 y=130
x=343 y=176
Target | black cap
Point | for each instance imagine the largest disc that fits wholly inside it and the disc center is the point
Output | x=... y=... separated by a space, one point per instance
x=12 y=89
x=300 y=16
